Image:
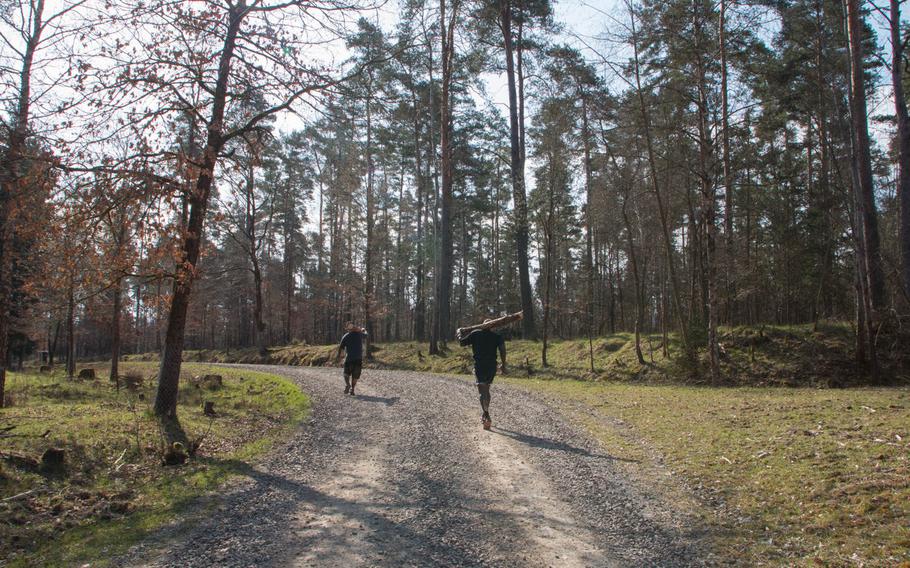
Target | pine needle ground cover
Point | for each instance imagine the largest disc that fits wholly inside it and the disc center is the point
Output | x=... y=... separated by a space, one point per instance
x=114 y=489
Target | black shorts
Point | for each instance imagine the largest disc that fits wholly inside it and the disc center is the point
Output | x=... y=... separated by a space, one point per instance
x=484 y=376
x=353 y=368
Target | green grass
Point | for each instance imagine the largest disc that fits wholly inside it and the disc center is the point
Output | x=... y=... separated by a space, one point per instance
x=115 y=489
x=751 y=356
x=786 y=477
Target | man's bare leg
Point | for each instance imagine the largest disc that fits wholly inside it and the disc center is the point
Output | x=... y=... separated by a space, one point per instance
x=484 y=390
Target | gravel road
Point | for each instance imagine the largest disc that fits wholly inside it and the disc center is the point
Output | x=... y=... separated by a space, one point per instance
x=404 y=475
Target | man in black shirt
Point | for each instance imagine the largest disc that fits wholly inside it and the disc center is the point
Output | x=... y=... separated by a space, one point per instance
x=352 y=343
x=484 y=343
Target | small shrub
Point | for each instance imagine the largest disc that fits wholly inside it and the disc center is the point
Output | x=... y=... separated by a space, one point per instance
x=132 y=380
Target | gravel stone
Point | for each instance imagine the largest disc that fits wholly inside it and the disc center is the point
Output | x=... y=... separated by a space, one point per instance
x=403 y=475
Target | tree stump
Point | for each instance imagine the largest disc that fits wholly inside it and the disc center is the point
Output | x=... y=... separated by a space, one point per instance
x=53 y=460
x=45 y=369
x=208 y=408
x=212 y=382
x=132 y=380
x=87 y=373
x=175 y=455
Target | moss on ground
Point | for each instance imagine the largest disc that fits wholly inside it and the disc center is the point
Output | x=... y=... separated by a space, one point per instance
x=115 y=490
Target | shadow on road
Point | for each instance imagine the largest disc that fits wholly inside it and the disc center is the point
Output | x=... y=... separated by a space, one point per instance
x=546 y=444
x=384 y=400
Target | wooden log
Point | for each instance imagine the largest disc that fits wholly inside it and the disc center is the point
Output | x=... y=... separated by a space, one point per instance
x=20 y=461
x=489 y=324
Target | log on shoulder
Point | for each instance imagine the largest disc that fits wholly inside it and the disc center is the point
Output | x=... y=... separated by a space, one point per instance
x=498 y=322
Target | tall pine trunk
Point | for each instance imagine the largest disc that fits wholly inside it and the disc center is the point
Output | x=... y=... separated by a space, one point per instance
x=728 y=171
x=705 y=151
x=636 y=280
x=589 y=230
x=658 y=196
x=866 y=189
x=903 y=138
x=518 y=178
x=368 y=260
x=446 y=268
x=420 y=299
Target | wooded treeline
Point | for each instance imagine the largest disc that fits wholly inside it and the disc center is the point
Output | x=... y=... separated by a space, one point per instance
x=705 y=163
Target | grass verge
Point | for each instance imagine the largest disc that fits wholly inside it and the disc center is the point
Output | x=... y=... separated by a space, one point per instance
x=796 y=355
x=114 y=489
x=785 y=477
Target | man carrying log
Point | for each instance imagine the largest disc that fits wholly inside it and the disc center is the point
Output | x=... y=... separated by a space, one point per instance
x=484 y=344
x=352 y=343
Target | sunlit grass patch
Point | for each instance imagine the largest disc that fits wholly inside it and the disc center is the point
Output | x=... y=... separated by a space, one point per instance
x=114 y=488
x=786 y=476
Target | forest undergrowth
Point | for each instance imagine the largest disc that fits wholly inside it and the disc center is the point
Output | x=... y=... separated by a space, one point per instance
x=791 y=356
x=113 y=487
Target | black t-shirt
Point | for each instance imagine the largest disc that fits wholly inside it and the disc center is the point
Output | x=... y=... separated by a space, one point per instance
x=484 y=344
x=352 y=342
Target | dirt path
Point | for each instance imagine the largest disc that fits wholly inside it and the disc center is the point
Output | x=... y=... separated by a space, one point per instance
x=403 y=475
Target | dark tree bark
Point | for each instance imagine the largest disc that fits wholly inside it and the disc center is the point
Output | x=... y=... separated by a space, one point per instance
x=399 y=260
x=10 y=176
x=119 y=235
x=636 y=280
x=548 y=266
x=115 y=331
x=420 y=300
x=519 y=195
x=52 y=343
x=446 y=260
x=859 y=117
x=655 y=186
x=172 y=356
x=290 y=267
x=728 y=172
x=903 y=138
x=368 y=260
x=252 y=242
x=706 y=176
x=589 y=238
x=71 y=329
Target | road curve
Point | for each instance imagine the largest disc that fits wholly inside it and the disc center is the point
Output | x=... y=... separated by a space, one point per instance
x=403 y=475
